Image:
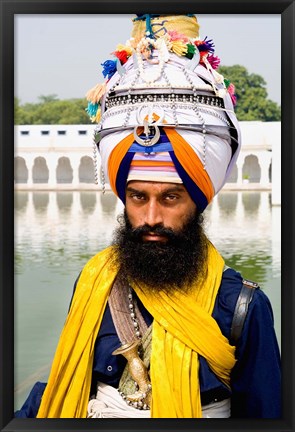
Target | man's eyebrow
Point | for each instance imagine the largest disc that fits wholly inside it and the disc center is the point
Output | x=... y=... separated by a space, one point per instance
x=131 y=189
x=176 y=188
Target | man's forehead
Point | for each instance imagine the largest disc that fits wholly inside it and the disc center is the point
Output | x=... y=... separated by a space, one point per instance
x=140 y=185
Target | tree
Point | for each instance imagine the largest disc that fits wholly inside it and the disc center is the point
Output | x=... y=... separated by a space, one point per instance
x=51 y=110
x=48 y=98
x=252 y=102
x=16 y=110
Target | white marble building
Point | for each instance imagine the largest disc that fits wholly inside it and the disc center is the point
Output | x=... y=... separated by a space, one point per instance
x=57 y=157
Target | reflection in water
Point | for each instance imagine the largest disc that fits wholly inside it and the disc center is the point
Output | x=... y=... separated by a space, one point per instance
x=253 y=266
x=64 y=201
x=40 y=201
x=88 y=201
x=21 y=201
x=251 y=202
x=227 y=202
x=57 y=232
x=108 y=203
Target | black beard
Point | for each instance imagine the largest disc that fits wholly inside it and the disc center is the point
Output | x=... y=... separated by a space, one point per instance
x=173 y=264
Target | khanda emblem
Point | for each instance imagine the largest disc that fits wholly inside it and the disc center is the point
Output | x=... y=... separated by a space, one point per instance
x=150 y=128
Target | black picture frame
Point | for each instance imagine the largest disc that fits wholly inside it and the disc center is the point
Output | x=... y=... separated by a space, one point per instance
x=8 y=9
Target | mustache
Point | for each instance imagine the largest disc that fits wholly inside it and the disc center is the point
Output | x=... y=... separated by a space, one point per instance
x=158 y=229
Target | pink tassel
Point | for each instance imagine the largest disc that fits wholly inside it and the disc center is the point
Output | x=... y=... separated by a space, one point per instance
x=214 y=61
x=96 y=93
x=175 y=36
x=231 y=89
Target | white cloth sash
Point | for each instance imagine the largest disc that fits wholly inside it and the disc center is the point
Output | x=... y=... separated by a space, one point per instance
x=108 y=403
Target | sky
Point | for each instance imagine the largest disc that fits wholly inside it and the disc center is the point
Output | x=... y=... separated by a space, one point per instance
x=62 y=54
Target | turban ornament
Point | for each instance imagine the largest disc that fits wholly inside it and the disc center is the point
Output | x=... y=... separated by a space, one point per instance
x=164 y=113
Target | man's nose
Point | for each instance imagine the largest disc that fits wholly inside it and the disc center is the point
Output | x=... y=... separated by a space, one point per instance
x=153 y=213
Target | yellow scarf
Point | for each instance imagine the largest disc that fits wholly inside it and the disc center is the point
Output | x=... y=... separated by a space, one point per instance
x=182 y=329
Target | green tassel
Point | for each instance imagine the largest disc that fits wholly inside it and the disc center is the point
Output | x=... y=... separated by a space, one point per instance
x=191 y=49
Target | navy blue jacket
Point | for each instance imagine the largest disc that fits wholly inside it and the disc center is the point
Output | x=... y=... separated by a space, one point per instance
x=255 y=380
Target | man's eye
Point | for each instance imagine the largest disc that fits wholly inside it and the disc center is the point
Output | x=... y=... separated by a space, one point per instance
x=137 y=197
x=171 y=197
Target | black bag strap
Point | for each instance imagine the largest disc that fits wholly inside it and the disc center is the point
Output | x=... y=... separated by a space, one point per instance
x=241 y=309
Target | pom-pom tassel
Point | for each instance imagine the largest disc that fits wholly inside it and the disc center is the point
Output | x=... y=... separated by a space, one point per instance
x=98 y=116
x=191 y=49
x=231 y=89
x=214 y=61
x=96 y=93
x=206 y=45
x=179 y=48
x=109 y=68
x=92 y=109
x=94 y=112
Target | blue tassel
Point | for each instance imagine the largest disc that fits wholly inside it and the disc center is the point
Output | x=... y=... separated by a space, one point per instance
x=92 y=109
x=207 y=45
x=109 y=68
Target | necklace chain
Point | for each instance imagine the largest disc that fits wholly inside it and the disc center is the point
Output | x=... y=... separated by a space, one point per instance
x=133 y=314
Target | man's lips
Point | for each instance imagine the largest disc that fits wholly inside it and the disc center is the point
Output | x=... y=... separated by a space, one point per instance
x=154 y=237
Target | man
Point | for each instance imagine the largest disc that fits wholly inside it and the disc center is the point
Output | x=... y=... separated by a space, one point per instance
x=159 y=326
